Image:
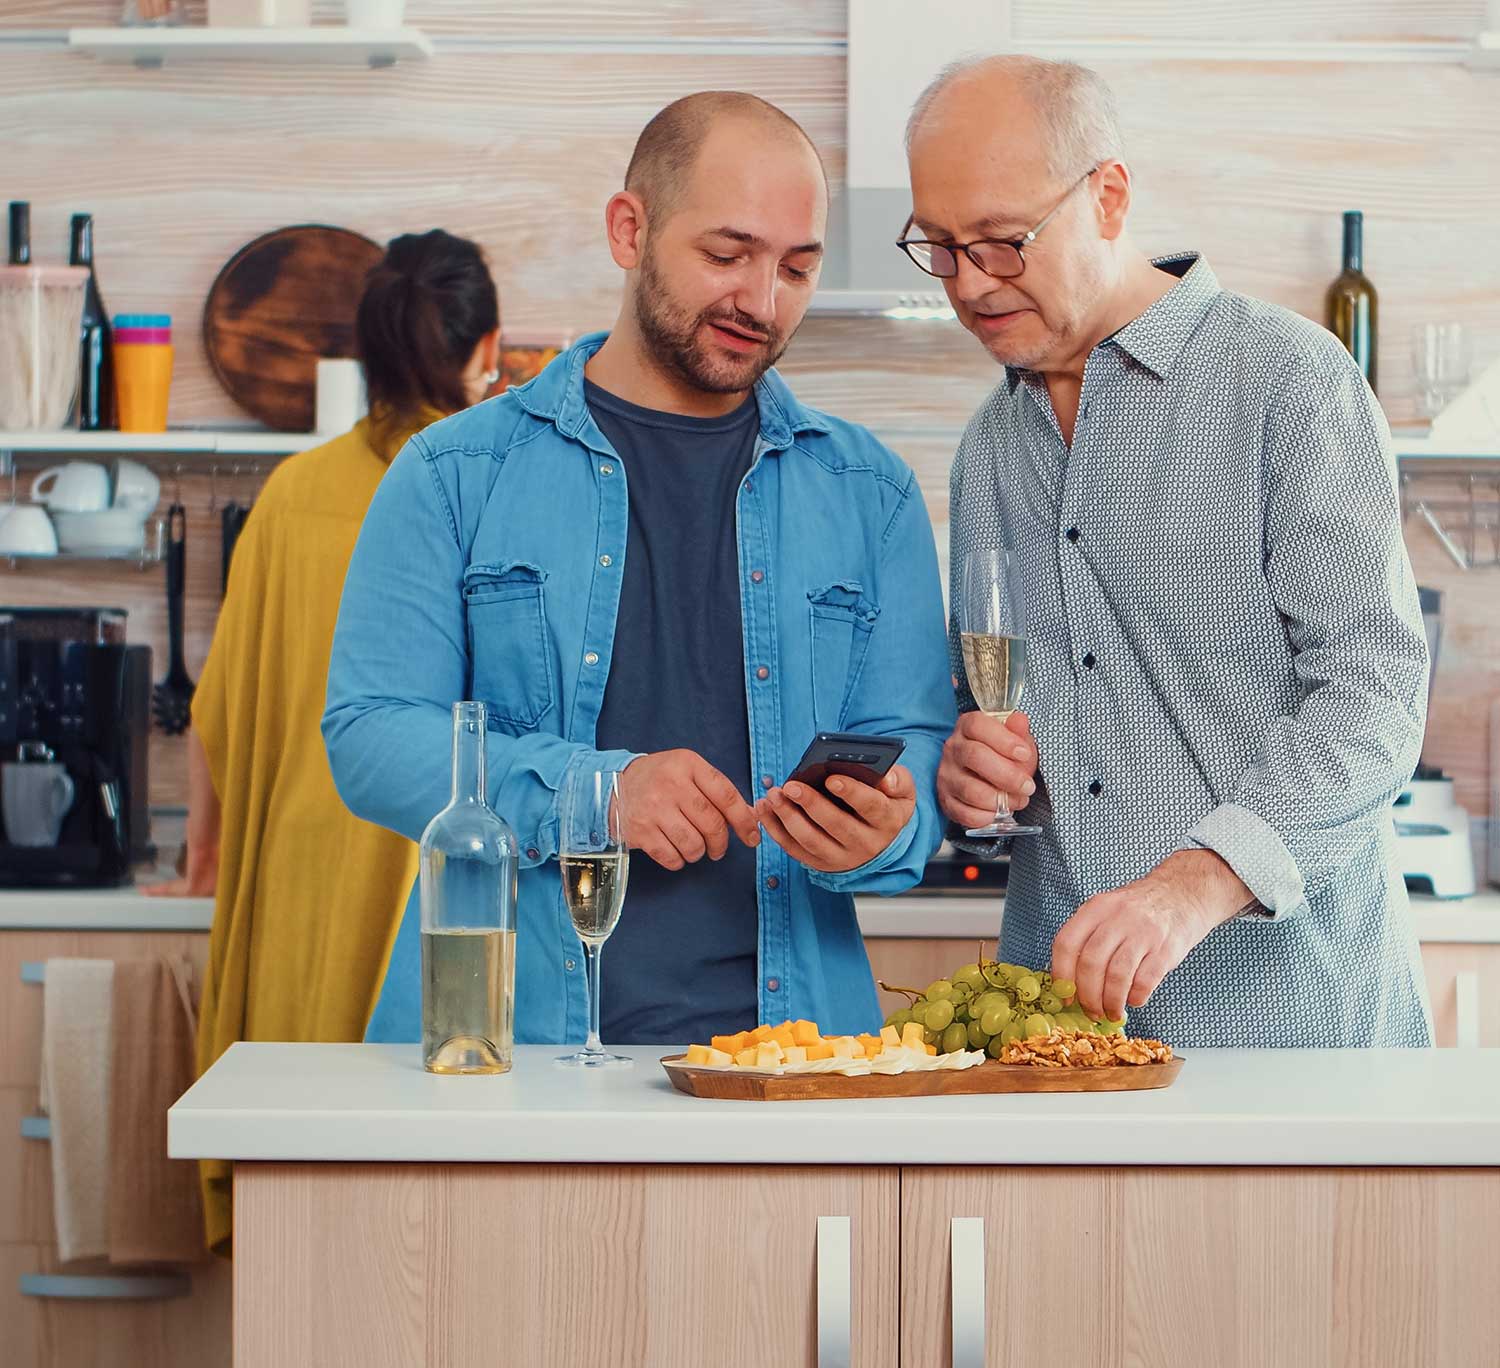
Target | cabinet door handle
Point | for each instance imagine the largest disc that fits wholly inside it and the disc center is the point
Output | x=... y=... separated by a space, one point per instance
x=1466 y=991
x=34 y=971
x=79 y=1287
x=966 y=1277
x=834 y=1300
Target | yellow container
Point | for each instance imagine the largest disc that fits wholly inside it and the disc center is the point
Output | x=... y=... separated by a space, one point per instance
x=143 y=385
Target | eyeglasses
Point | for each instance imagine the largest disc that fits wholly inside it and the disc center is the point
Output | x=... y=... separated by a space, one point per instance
x=1001 y=258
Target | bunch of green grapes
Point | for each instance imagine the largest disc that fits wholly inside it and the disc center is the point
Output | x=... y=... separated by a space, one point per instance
x=985 y=1006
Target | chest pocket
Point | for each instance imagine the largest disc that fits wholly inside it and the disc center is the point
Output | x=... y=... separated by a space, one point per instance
x=508 y=641
x=842 y=619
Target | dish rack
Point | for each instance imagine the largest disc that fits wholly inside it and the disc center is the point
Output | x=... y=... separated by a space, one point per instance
x=1461 y=506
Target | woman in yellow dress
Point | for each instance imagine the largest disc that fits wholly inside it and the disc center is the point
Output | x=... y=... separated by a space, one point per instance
x=307 y=897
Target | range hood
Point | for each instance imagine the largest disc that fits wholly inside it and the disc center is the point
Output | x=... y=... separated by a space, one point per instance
x=864 y=272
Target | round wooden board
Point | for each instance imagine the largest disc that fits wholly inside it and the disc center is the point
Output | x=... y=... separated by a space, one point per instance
x=745 y=1086
x=280 y=303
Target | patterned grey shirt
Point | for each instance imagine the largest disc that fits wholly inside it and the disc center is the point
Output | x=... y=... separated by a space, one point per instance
x=1225 y=652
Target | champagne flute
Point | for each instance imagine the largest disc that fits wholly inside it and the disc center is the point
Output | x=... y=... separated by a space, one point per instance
x=992 y=632
x=595 y=865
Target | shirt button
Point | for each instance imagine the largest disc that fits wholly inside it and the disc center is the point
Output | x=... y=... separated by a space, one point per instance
x=532 y=853
x=773 y=985
x=606 y=560
x=569 y=965
x=606 y=470
x=1088 y=661
x=1096 y=788
x=592 y=658
x=1074 y=534
x=762 y=673
x=773 y=882
x=765 y=781
x=756 y=576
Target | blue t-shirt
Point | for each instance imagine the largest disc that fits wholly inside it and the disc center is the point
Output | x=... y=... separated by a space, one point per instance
x=681 y=964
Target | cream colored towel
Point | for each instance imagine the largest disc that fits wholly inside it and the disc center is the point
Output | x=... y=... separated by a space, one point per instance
x=155 y=1210
x=77 y=1003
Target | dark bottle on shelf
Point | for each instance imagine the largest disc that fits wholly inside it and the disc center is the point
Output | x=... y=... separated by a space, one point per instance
x=1353 y=307
x=96 y=383
x=20 y=233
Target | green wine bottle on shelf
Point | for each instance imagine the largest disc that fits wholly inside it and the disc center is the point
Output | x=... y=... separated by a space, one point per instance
x=1353 y=306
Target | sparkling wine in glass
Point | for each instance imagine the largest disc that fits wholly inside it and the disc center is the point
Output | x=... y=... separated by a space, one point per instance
x=992 y=632
x=595 y=865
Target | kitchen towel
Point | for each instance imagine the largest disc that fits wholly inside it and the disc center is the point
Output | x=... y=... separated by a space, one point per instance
x=155 y=1211
x=76 y=1013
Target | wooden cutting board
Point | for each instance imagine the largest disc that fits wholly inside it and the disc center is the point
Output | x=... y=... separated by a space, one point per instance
x=745 y=1086
x=280 y=303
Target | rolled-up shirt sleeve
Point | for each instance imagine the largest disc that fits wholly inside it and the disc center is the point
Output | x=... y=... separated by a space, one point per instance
x=1338 y=571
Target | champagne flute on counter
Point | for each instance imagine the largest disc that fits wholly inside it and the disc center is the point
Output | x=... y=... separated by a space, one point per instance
x=595 y=864
x=992 y=632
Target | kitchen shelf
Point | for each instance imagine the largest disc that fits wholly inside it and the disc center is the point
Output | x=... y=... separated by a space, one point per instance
x=143 y=559
x=175 y=442
x=151 y=47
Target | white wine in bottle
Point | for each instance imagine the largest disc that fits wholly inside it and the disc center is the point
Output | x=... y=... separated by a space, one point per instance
x=996 y=668
x=466 y=1022
x=594 y=886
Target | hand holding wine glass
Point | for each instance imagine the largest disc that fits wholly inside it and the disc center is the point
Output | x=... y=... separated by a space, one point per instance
x=992 y=633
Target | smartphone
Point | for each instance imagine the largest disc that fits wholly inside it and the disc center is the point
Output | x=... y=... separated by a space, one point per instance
x=866 y=758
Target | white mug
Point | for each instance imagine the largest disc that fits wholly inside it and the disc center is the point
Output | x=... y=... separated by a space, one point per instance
x=78 y=487
x=374 y=14
x=341 y=400
x=26 y=530
x=135 y=486
x=35 y=799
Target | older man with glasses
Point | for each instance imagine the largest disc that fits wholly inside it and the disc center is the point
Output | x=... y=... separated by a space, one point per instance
x=1227 y=663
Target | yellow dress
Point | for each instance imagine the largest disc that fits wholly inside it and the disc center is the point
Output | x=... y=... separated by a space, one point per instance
x=308 y=896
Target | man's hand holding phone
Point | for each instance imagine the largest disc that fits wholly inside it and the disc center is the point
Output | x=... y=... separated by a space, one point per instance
x=835 y=837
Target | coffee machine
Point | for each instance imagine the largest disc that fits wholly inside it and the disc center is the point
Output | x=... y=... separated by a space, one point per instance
x=1432 y=830
x=75 y=699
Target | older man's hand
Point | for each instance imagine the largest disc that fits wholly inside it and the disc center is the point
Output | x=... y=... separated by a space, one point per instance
x=1119 y=945
x=984 y=758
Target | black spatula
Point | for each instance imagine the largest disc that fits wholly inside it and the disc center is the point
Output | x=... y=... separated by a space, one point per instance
x=172 y=699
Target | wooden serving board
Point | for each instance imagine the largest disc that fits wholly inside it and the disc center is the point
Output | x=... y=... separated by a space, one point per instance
x=743 y=1085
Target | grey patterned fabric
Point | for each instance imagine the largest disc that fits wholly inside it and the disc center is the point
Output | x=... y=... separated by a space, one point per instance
x=1225 y=651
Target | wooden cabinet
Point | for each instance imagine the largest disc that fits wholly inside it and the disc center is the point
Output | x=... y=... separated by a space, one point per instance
x=588 y=1266
x=1180 y=1267
x=81 y=1332
x=1463 y=982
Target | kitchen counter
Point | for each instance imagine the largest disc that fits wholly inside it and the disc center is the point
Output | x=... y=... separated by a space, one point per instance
x=918 y=916
x=358 y=1103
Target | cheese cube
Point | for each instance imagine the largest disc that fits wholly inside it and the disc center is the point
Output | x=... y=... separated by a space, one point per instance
x=911 y=1036
x=697 y=1054
x=768 y=1055
x=782 y=1035
x=796 y=1054
x=759 y=1034
x=874 y=1046
x=844 y=1047
x=805 y=1033
x=822 y=1050
x=931 y=1049
x=746 y=1057
x=718 y=1058
x=730 y=1044
x=889 y=1035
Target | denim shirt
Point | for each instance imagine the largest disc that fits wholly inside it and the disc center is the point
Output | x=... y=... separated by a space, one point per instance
x=489 y=567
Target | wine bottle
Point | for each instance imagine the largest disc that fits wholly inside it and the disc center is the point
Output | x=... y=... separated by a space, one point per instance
x=20 y=233
x=96 y=384
x=1353 y=307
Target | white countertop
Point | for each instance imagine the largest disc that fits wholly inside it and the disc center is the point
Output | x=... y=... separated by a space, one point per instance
x=356 y=1103
x=959 y=916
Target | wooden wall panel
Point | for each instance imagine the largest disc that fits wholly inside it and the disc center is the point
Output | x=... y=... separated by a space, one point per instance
x=1250 y=163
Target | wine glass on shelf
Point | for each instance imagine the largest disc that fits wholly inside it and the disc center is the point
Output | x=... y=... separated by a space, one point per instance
x=595 y=865
x=992 y=632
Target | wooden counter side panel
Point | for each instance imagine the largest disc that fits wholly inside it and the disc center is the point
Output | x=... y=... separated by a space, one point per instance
x=1240 y=1268
x=463 y=1266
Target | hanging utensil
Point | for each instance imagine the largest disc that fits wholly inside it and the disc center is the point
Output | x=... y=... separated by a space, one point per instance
x=172 y=699
x=229 y=531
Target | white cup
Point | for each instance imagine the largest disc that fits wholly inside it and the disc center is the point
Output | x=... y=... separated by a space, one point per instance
x=78 y=487
x=341 y=400
x=135 y=486
x=27 y=531
x=374 y=14
x=35 y=799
